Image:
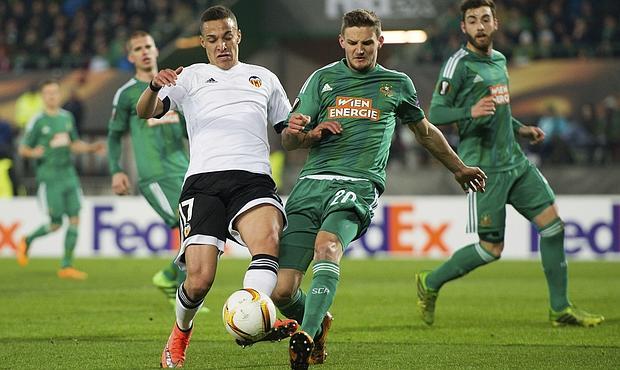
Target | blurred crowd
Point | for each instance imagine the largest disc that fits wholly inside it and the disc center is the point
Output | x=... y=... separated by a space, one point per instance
x=68 y=34
x=40 y=34
x=536 y=29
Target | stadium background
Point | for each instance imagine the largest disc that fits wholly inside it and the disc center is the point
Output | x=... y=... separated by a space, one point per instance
x=564 y=77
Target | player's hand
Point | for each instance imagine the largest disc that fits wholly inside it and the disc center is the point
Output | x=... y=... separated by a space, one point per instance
x=471 y=178
x=120 y=183
x=37 y=152
x=484 y=107
x=325 y=128
x=99 y=148
x=297 y=122
x=535 y=134
x=166 y=77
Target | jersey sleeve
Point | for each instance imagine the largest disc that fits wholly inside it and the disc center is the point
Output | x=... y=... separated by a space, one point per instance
x=175 y=93
x=308 y=101
x=443 y=110
x=408 y=109
x=119 y=120
x=278 y=106
x=32 y=132
x=73 y=134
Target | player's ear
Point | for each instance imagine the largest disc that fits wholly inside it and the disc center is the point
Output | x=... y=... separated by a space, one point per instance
x=238 y=36
x=202 y=42
x=463 y=27
x=341 y=41
x=381 y=40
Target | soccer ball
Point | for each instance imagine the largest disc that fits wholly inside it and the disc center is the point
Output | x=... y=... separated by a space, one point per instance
x=248 y=315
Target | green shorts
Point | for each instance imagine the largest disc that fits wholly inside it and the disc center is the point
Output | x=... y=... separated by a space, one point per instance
x=163 y=196
x=60 y=197
x=523 y=187
x=341 y=207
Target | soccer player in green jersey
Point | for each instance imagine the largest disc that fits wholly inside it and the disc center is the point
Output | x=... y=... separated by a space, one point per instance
x=346 y=114
x=472 y=91
x=159 y=150
x=50 y=138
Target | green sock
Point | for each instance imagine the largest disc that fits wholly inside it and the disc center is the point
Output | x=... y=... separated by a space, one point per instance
x=42 y=230
x=70 y=240
x=171 y=271
x=320 y=295
x=554 y=263
x=295 y=308
x=462 y=261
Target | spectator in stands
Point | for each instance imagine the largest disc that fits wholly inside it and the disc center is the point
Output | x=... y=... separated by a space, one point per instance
x=555 y=148
x=27 y=105
x=7 y=148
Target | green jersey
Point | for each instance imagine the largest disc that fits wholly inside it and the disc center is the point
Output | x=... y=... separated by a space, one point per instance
x=158 y=144
x=487 y=142
x=366 y=105
x=55 y=134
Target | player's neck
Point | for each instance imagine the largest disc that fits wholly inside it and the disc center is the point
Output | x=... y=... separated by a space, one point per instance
x=486 y=53
x=51 y=111
x=145 y=75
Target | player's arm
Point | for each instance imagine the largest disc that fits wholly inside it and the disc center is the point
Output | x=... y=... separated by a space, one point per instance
x=149 y=105
x=295 y=135
x=28 y=148
x=533 y=133
x=80 y=146
x=433 y=140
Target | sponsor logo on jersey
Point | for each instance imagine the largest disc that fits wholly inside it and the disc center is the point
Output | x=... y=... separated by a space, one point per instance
x=60 y=139
x=386 y=89
x=478 y=79
x=326 y=87
x=351 y=107
x=169 y=118
x=444 y=87
x=500 y=94
x=256 y=81
x=211 y=81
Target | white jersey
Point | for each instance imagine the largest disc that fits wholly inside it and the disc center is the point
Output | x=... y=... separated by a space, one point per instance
x=227 y=112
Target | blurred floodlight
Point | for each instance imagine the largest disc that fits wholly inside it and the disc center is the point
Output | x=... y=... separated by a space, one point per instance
x=404 y=37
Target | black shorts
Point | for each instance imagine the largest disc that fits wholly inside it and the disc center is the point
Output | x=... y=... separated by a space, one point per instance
x=211 y=201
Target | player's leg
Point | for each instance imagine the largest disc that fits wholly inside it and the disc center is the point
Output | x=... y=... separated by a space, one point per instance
x=49 y=199
x=72 y=205
x=486 y=217
x=203 y=238
x=534 y=199
x=162 y=195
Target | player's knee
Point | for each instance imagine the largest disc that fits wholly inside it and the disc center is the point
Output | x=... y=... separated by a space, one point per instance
x=54 y=227
x=494 y=248
x=198 y=283
x=328 y=248
x=282 y=294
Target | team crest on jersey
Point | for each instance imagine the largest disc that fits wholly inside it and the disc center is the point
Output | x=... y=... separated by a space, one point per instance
x=351 y=107
x=386 y=89
x=485 y=221
x=444 y=87
x=256 y=81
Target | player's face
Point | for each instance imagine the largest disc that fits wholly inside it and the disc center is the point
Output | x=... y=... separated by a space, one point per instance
x=361 y=47
x=221 y=39
x=50 y=93
x=143 y=53
x=479 y=26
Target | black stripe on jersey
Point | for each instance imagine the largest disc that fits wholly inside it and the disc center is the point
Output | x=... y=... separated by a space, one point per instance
x=166 y=102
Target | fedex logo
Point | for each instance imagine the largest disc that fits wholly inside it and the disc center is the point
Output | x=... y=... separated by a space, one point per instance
x=601 y=237
x=387 y=232
x=128 y=236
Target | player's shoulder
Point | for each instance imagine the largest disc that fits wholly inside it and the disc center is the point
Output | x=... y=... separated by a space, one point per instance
x=34 y=121
x=393 y=73
x=127 y=86
x=497 y=55
x=65 y=114
x=454 y=62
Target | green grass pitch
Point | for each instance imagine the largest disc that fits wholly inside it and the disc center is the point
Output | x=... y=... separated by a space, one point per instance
x=494 y=318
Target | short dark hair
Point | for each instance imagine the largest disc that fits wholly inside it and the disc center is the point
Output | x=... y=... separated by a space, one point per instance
x=361 y=18
x=473 y=4
x=215 y=13
x=135 y=35
x=49 y=81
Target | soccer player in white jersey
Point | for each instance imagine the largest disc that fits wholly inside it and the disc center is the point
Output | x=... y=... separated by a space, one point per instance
x=228 y=190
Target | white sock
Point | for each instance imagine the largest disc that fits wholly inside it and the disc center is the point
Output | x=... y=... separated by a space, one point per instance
x=186 y=309
x=262 y=274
